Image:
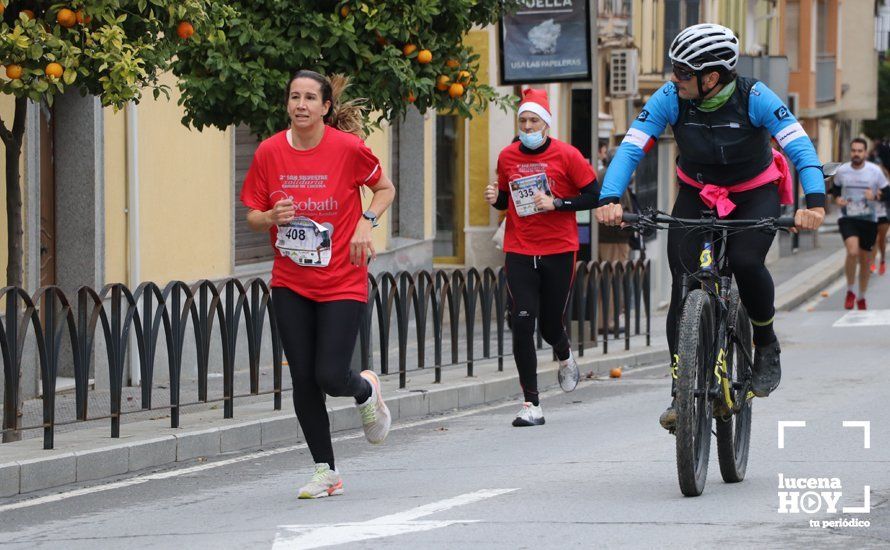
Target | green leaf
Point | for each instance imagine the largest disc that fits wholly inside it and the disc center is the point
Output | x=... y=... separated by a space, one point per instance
x=69 y=76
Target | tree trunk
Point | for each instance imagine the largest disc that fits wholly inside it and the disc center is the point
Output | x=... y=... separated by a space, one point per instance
x=14 y=267
x=14 y=272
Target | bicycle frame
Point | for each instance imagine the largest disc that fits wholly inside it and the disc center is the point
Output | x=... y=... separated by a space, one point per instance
x=715 y=277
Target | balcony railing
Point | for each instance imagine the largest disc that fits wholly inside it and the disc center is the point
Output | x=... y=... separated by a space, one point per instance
x=825 y=79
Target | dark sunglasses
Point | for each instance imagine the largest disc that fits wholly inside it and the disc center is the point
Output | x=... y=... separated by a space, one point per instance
x=682 y=73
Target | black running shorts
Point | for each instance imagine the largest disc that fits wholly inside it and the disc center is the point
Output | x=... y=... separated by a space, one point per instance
x=866 y=231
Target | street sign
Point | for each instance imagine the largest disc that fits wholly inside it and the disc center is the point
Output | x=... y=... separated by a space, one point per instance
x=545 y=41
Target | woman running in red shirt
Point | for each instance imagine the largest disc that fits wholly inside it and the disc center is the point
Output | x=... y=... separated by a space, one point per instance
x=303 y=187
x=542 y=182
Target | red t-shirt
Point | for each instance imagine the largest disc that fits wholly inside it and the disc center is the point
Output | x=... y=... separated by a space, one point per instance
x=325 y=184
x=567 y=172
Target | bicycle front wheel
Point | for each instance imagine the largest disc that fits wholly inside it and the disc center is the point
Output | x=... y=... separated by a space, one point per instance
x=734 y=431
x=695 y=342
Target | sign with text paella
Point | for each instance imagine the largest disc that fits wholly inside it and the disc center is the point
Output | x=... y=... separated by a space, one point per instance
x=545 y=41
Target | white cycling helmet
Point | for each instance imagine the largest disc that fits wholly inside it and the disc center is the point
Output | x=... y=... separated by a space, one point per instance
x=705 y=45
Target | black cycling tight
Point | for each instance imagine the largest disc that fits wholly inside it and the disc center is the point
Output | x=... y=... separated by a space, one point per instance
x=746 y=252
x=318 y=340
x=539 y=290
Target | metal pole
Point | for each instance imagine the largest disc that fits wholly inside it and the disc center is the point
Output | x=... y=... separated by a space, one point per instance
x=592 y=6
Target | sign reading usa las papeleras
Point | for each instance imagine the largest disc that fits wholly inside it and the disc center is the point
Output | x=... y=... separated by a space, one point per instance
x=545 y=41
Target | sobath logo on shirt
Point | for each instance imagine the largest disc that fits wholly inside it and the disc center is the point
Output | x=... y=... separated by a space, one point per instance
x=309 y=205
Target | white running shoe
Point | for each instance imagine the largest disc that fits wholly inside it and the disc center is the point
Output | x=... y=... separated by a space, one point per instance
x=375 y=414
x=568 y=374
x=529 y=415
x=324 y=483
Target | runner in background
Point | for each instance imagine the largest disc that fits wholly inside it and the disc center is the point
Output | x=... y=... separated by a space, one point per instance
x=541 y=183
x=857 y=187
x=303 y=187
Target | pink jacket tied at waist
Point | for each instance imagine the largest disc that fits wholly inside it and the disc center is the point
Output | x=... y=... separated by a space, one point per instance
x=718 y=196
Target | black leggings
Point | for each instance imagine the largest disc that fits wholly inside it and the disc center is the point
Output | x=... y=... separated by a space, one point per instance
x=318 y=340
x=746 y=251
x=539 y=289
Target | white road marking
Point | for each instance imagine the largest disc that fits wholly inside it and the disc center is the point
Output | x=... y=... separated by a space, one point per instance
x=867 y=318
x=291 y=537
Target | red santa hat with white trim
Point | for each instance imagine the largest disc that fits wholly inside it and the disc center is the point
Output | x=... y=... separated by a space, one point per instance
x=535 y=101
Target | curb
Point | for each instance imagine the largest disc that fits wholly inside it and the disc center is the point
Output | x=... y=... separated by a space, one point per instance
x=25 y=467
x=807 y=283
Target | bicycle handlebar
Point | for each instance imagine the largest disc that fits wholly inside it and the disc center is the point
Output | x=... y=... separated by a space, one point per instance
x=784 y=221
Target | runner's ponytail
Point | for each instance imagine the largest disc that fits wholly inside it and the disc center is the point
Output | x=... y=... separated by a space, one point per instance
x=347 y=116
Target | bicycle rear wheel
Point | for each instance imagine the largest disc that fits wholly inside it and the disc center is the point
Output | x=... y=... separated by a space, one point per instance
x=695 y=342
x=734 y=432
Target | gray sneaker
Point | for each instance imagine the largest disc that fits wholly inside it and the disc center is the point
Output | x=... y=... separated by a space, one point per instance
x=767 y=371
x=529 y=415
x=324 y=483
x=568 y=374
x=376 y=419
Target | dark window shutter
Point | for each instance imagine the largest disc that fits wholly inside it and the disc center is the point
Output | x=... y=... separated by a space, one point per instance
x=250 y=247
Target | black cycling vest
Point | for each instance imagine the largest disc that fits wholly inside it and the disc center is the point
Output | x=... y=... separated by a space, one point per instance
x=722 y=147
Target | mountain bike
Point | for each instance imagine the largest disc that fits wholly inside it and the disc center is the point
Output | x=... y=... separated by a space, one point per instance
x=715 y=352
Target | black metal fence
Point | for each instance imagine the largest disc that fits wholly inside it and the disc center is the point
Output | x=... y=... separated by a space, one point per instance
x=423 y=299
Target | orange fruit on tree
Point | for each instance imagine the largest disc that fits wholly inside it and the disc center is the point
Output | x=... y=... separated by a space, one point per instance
x=28 y=13
x=344 y=11
x=13 y=71
x=380 y=40
x=424 y=57
x=456 y=90
x=410 y=98
x=408 y=49
x=66 y=18
x=442 y=83
x=54 y=70
x=615 y=372
x=452 y=63
x=464 y=77
x=82 y=18
x=2 y=9
x=185 y=30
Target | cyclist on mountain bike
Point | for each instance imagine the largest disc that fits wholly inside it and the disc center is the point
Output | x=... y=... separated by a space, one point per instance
x=722 y=124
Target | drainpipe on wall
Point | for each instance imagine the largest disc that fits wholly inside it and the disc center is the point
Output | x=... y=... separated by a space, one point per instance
x=134 y=265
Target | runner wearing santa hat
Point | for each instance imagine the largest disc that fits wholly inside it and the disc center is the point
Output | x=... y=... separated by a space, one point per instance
x=541 y=183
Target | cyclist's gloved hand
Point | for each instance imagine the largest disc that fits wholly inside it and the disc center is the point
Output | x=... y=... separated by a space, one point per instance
x=808 y=219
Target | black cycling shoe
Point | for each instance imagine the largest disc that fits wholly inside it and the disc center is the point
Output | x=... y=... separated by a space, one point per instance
x=668 y=418
x=767 y=369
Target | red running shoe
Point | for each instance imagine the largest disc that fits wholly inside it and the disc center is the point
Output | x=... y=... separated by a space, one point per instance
x=860 y=303
x=873 y=268
x=883 y=268
x=850 y=301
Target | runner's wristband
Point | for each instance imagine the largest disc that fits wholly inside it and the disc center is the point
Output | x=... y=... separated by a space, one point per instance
x=585 y=201
x=501 y=202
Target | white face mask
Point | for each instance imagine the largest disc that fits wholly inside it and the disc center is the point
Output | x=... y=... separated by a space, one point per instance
x=532 y=140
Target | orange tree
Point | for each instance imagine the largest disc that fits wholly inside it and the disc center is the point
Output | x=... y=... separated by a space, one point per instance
x=397 y=52
x=112 y=49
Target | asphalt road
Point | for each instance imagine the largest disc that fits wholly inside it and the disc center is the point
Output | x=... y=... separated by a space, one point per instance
x=600 y=473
